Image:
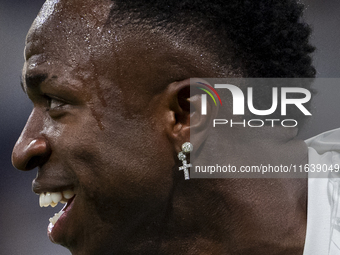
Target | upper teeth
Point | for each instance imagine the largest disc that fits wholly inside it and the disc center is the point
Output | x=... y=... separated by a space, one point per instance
x=52 y=198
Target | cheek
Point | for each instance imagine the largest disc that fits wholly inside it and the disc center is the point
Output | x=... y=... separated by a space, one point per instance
x=126 y=162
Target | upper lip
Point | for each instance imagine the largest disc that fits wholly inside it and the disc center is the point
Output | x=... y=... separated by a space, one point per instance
x=51 y=186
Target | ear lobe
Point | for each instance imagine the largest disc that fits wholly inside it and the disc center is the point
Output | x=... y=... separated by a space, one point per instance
x=190 y=124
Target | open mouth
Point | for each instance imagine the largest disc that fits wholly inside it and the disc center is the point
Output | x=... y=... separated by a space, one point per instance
x=52 y=199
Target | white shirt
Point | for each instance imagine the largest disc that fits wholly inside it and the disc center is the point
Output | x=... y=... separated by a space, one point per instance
x=323 y=211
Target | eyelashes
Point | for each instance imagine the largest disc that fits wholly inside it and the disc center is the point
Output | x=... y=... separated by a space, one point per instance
x=55 y=106
x=55 y=103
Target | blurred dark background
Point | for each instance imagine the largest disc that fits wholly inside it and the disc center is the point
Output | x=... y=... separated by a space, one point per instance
x=23 y=223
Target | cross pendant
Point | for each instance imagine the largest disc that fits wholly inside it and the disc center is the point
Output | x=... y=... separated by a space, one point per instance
x=185 y=169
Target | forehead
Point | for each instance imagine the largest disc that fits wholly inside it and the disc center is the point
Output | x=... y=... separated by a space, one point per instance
x=65 y=38
x=67 y=27
x=81 y=36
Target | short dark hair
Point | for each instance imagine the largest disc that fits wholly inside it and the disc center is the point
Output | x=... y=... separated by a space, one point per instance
x=268 y=37
x=257 y=38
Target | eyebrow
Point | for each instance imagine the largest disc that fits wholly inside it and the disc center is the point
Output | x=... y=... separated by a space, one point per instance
x=33 y=81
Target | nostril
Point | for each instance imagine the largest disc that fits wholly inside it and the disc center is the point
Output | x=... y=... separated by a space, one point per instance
x=36 y=161
x=33 y=162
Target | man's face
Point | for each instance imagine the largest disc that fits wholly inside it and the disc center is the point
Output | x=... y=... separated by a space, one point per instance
x=89 y=132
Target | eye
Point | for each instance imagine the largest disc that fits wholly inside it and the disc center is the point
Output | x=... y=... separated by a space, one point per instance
x=54 y=103
x=57 y=107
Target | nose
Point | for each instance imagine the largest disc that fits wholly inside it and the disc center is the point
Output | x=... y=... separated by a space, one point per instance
x=32 y=149
x=35 y=153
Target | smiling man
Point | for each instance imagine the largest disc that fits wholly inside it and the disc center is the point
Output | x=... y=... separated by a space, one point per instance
x=109 y=81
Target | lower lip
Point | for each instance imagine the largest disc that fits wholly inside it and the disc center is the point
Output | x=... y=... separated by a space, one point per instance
x=57 y=232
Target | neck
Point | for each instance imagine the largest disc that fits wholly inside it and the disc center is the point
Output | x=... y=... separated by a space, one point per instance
x=242 y=216
x=236 y=215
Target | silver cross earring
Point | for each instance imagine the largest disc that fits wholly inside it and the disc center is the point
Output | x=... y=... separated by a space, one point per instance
x=186 y=148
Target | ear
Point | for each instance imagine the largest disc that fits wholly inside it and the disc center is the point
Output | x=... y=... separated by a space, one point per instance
x=189 y=125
